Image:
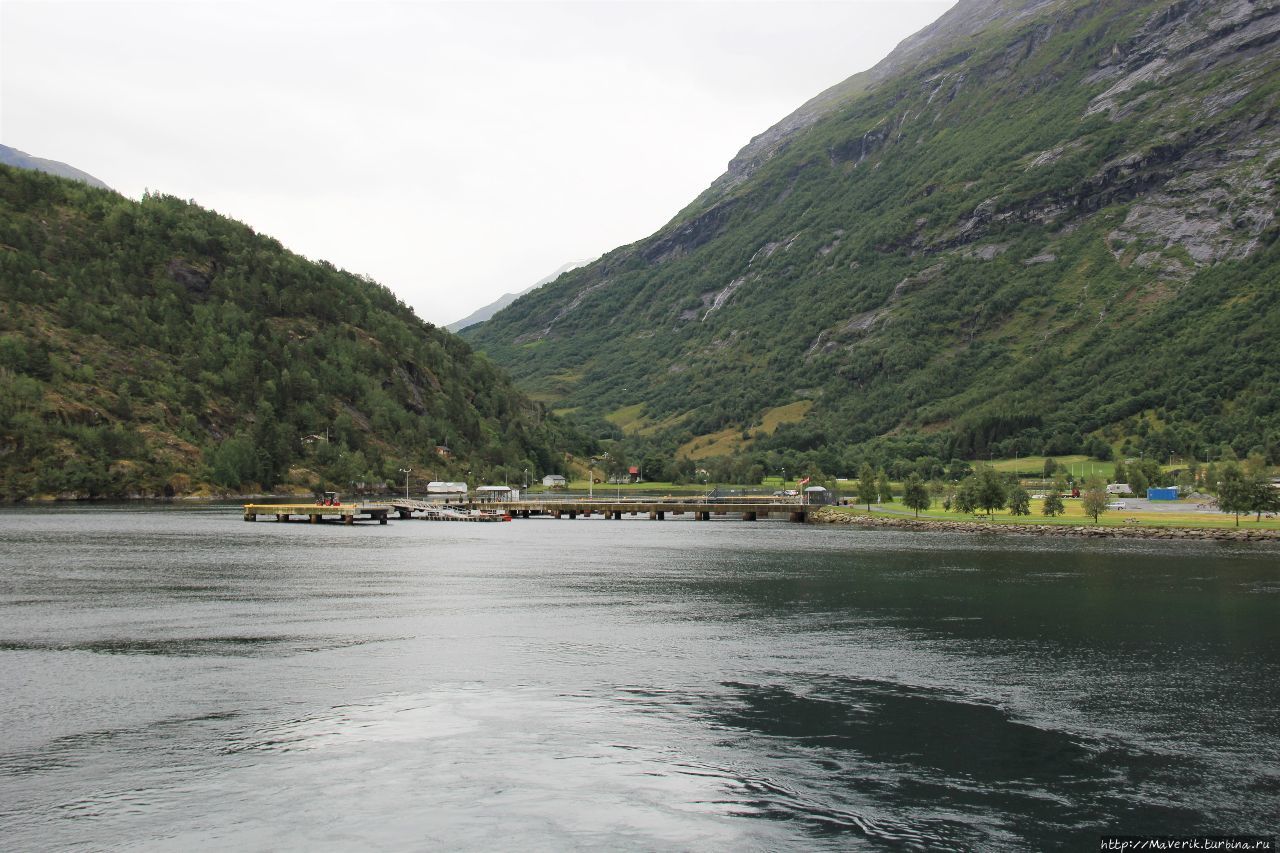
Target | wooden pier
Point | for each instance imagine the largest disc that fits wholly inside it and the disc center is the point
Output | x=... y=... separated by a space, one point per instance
x=316 y=513
x=429 y=511
x=657 y=509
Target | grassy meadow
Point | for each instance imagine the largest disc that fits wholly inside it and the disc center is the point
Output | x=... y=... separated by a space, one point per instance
x=1075 y=515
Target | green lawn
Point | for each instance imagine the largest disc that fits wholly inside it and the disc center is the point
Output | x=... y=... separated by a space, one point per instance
x=1075 y=516
x=1033 y=466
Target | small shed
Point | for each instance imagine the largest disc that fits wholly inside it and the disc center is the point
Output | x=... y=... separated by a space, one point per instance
x=490 y=494
x=1166 y=494
x=817 y=495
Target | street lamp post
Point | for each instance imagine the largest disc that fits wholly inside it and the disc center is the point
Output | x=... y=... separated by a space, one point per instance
x=591 y=474
x=406 y=471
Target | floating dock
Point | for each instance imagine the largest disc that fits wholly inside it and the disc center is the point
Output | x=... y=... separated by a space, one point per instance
x=316 y=513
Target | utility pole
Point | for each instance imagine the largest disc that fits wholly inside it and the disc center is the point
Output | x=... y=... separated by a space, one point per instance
x=406 y=472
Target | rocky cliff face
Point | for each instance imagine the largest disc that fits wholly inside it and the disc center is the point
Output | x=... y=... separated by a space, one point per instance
x=937 y=246
x=948 y=33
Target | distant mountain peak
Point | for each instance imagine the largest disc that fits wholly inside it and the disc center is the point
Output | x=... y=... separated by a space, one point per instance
x=480 y=315
x=22 y=160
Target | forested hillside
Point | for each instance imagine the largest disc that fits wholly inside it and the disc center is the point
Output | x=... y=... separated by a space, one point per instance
x=154 y=347
x=1041 y=226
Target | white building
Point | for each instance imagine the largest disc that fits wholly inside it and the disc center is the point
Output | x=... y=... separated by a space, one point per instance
x=554 y=481
x=497 y=493
x=447 y=491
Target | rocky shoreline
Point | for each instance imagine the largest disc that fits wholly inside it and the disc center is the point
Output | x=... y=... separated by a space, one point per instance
x=827 y=515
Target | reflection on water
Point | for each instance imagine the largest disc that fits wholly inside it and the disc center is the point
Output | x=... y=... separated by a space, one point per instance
x=178 y=678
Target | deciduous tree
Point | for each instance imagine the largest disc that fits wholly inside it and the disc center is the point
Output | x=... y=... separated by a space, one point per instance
x=990 y=491
x=916 y=495
x=1018 y=500
x=1235 y=494
x=883 y=487
x=868 y=491
x=1094 y=497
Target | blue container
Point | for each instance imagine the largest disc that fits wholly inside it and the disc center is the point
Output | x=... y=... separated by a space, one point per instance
x=1169 y=494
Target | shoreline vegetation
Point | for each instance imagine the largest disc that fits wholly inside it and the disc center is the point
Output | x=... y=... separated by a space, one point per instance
x=837 y=515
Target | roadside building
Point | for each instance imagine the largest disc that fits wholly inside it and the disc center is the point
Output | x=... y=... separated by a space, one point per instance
x=491 y=494
x=554 y=481
x=447 y=491
x=817 y=496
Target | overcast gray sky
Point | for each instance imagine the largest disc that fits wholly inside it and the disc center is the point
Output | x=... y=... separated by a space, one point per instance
x=452 y=151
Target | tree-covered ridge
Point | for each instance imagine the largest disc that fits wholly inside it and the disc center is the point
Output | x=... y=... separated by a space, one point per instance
x=149 y=347
x=1058 y=235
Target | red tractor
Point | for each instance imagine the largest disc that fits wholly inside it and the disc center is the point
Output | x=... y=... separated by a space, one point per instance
x=329 y=499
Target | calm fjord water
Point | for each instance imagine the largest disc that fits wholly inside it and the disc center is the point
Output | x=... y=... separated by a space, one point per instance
x=178 y=678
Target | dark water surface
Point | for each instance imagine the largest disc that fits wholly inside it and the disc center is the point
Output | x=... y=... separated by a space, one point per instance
x=177 y=678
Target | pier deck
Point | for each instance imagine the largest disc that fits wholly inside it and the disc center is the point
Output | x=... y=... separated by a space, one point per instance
x=316 y=513
x=656 y=509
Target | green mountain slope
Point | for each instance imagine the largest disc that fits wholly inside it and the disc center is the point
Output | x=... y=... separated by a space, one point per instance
x=155 y=347
x=1038 y=227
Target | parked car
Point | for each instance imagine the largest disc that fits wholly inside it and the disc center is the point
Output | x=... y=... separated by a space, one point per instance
x=1117 y=505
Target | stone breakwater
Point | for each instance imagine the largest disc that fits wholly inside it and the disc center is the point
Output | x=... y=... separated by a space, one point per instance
x=1135 y=531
